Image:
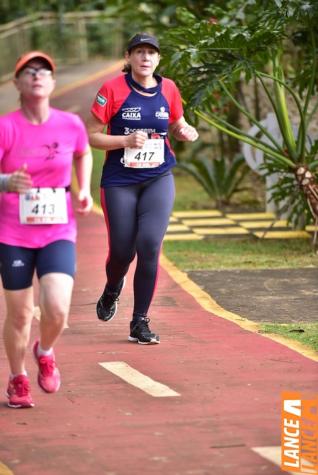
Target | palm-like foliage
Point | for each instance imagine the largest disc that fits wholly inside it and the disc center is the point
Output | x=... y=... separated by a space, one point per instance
x=255 y=39
x=219 y=178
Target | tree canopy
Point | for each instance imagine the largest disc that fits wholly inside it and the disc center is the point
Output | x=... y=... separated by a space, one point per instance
x=14 y=9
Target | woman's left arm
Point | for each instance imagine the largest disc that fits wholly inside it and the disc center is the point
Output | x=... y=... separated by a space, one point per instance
x=182 y=131
x=83 y=168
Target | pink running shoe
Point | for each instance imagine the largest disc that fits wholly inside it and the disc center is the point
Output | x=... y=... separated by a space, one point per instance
x=18 y=392
x=49 y=378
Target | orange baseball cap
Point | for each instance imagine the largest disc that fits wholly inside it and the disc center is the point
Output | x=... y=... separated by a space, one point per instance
x=26 y=57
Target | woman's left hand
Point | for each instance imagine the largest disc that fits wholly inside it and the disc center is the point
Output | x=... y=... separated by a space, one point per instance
x=187 y=133
x=86 y=202
x=183 y=131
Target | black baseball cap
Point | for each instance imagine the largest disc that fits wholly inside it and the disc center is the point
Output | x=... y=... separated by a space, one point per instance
x=143 y=38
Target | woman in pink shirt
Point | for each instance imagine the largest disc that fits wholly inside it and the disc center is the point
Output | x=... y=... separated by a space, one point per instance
x=38 y=145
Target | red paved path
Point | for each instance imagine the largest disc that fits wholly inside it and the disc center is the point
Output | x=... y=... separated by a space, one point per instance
x=229 y=382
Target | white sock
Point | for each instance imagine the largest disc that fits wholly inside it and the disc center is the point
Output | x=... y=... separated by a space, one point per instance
x=12 y=376
x=42 y=352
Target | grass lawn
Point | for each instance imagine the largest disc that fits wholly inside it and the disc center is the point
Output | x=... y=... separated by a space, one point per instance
x=99 y=157
x=240 y=254
x=305 y=333
x=229 y=253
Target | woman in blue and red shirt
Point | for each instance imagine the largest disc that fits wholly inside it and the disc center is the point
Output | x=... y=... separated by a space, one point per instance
x=139 y=109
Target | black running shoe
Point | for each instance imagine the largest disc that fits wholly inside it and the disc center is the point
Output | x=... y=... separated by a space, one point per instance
x=141 y=333
x=106 y=307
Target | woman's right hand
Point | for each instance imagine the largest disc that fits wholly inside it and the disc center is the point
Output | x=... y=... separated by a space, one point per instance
x=136 y=140
x=20 y=181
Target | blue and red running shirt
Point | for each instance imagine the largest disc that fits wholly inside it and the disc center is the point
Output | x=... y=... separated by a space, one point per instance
x=125 y=111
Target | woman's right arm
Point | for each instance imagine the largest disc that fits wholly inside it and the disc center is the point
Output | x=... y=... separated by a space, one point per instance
x=4 y=182
x=98 y=139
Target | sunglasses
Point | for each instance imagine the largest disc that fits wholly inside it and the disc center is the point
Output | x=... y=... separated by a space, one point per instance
x=41 y=72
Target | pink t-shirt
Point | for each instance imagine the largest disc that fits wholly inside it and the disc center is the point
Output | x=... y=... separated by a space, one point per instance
x=48 y=150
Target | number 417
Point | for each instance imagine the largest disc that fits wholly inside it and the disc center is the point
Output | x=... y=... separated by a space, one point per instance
x=146 y=156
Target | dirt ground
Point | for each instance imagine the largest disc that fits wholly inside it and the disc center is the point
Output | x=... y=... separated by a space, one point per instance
x=269 y=295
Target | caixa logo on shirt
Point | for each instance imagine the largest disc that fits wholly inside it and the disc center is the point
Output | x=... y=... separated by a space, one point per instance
x=162 y=114
x=131 y=113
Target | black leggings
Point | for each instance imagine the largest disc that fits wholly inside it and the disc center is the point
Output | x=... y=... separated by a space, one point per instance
x=137 y=217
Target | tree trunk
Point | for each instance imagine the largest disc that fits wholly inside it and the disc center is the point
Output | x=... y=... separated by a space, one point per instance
x=309 y=186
